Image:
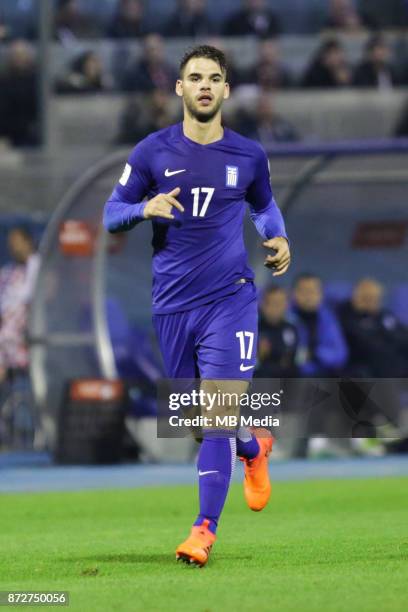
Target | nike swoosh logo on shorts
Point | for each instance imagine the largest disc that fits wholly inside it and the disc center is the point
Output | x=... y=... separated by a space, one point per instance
x=245 y=368
x=200 y=473
x=167 y=172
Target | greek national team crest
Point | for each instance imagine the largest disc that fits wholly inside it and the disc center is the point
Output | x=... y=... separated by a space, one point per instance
x=231 y=176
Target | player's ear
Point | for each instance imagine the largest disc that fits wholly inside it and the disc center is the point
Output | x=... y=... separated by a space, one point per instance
x=227 y=91
x=179 y=88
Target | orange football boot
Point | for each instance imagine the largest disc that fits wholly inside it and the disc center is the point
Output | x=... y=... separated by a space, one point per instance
x=257 y=486
x=196 y=549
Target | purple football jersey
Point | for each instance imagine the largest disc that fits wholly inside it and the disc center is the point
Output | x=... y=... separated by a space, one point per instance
x=199 y=255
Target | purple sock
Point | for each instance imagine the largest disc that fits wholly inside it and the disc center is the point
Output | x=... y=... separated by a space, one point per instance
x=247 y=444
x=216 y=462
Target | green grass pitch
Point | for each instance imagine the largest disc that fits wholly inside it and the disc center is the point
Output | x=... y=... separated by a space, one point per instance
x=320 y=545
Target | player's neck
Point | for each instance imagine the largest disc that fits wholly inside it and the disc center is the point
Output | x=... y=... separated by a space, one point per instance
x=203 y=133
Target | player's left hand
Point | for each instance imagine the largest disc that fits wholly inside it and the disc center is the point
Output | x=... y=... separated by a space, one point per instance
x=279 y=262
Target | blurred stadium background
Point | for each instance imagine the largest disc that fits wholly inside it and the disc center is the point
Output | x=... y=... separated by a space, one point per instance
x=323 y=84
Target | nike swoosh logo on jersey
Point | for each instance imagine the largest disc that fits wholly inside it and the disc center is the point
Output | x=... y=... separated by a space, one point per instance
x=171 y=173
x=200 y=473
x=245 y=368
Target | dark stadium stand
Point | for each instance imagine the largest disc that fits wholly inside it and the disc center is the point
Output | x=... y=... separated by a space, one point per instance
x=295 y=16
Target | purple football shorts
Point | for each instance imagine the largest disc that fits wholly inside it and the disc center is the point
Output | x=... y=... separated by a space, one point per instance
x=214 y=341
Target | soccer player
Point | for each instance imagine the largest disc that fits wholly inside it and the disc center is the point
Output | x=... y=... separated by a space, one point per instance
x=193 y=180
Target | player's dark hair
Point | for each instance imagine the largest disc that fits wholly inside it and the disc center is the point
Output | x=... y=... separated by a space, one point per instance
x=208 y=52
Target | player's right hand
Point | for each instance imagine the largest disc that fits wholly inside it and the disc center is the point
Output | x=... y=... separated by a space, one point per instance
x=162 y=204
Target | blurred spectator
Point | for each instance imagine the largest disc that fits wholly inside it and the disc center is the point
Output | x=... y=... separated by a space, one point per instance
x=152 y=71
x=254 y=18
x=128 y=20
x=18 y=96
x=71 y=23
x=377 y=341
x=329 y=67
x=17 y=281
x=343 y=15
x=135 y=124
x=4 y=30
x=266 y=125
x=376 y=69
x=322 y=349
x=85 y=75
x=269 y=71
x=189 y=19
x=277 y=337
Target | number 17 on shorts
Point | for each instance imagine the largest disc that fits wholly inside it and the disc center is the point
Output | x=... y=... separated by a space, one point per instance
x=246 y=347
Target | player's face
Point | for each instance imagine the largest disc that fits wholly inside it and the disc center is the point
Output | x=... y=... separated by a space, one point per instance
x=203 y=88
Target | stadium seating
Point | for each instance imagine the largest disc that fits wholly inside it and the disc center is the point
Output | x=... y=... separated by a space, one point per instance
x=82 y=120
x=295 y=16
